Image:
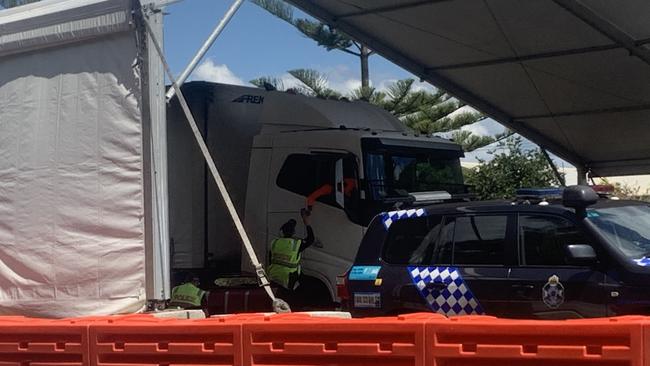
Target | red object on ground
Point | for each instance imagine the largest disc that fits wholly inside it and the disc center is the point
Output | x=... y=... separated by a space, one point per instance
x=232 y=300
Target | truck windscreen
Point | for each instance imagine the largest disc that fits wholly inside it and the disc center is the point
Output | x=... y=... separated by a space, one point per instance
x=395 y=173
x=625 y=227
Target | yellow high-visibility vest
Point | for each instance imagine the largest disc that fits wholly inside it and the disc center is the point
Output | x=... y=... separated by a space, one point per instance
x=285 y=260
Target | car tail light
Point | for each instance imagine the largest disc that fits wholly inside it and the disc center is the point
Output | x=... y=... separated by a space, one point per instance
x=342 y=290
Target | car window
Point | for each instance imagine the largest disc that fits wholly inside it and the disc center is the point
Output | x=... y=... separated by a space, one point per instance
x=410 y=241
x=480 y=239
x=543 y=239
x=442 y=250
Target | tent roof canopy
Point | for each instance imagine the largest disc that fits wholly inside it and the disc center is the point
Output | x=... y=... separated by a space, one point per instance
x=571 y=75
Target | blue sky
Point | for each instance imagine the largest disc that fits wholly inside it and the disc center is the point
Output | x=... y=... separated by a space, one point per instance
x=256 y=43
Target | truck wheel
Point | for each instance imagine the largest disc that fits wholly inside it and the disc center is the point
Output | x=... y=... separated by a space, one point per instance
x=312 y=295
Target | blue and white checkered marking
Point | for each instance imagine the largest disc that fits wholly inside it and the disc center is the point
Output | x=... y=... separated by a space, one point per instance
x=456 y=299
x=643 y=262
x=390 y=217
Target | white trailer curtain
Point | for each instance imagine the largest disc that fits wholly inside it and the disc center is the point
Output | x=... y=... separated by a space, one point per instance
x=72 y=233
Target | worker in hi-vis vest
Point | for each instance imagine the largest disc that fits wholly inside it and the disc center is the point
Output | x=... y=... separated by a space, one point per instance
x=284 y=268
x=188 y=295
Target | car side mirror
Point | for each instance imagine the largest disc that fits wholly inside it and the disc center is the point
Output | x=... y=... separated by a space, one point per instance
x=579 y=198
x=581 y=253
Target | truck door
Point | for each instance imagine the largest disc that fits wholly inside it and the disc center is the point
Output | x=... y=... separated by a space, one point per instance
x=328 y=179
x=546 y=285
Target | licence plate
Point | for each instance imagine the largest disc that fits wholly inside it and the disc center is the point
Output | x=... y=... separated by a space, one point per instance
x=370 y=300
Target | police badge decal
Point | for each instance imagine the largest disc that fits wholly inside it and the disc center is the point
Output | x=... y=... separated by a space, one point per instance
x=553 y=292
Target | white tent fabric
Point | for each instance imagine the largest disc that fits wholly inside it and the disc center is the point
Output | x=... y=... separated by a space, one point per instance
x=72 y=236
x=571 y=75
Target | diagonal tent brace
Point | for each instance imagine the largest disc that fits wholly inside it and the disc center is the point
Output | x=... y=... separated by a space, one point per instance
x=279 y=305
x=206 y=46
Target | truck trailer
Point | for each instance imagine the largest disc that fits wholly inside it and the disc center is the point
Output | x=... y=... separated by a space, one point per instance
x=276 y=149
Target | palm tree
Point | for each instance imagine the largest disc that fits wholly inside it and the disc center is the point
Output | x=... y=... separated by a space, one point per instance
x=312 y=83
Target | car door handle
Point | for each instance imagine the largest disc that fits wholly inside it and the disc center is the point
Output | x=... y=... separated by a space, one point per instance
x=523 y=287
x=436 y=286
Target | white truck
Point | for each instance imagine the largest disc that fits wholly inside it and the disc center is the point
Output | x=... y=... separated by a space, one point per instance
x=274 y=149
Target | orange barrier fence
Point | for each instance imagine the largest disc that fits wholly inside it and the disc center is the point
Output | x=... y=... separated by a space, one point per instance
x=484 y=340
x=43 y=342
x=299 y=339
x=164 y=341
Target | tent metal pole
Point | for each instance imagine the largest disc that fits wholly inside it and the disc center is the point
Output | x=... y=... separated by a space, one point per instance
x=560 y=178
x=582 y=175
x=205 y=47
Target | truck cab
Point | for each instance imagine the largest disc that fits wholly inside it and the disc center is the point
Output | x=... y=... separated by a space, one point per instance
x=277 y=151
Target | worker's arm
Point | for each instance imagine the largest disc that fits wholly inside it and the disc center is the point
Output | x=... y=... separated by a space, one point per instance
x=309 y=240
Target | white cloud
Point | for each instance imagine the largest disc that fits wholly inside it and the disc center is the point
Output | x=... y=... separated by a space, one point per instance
x=209 y=71
x=487 y=127
x=345 y=87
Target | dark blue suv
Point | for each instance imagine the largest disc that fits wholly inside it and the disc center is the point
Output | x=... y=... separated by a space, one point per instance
x=573 y=256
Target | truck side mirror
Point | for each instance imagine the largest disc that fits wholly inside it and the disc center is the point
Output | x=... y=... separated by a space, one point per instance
x=581 y=254
x=339 y=183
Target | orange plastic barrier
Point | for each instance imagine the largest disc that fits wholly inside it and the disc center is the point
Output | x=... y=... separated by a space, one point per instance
x=299 y=339
x=165 y=341
x=296 y=339
x=28 y=341
x=484 y=340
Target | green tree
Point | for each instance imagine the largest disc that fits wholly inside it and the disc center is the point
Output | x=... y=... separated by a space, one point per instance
x=509 y=170
x=312 y=83
x=427 y=112
x=11 y=3
x=323 y=34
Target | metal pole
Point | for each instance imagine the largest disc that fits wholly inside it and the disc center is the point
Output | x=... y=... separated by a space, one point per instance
x=558 y=175
x=582 y=175
x=205 y=47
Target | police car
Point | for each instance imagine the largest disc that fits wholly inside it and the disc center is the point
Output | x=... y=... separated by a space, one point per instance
x=550 y=254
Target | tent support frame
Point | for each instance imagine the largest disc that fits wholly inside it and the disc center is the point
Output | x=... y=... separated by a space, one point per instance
x=389 y=8
x=605 y=27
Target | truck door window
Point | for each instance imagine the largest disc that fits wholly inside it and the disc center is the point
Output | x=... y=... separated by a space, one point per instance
x=411 y=241
x=543 y=239
x=480 y=239
x=313 y=176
